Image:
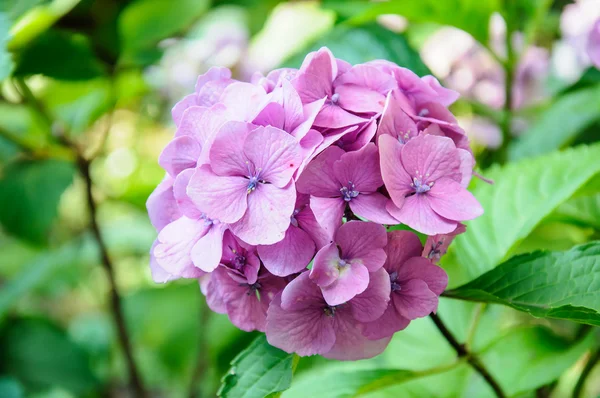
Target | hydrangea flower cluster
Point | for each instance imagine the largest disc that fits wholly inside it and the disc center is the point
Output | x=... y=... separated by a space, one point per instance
x=278 y=192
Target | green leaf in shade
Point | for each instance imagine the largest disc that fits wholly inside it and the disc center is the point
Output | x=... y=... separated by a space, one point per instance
x=559 y=124
x=258 y=371
x=6 y=63
x=581 y=210
x=40 y=355
x=472 y=16
x=143 y=23
x=365 y=43
x=11 y=388
x=560 y=285
x=60 y=55
x=29 y=196
x=523 y=194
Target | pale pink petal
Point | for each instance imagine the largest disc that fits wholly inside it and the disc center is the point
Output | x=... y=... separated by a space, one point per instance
x=328 y=212
x=175 y=242
x=180 y=107
x=268 y=215
x=334 y=116
x=243 y=100
x=467 y=163
x=450 y=200
x=414 y=300
x=191 y=122
x=359 y=99
x=318 y=179
x=372 y=303
x=207 y=251
x=159 y=275
x=276 y=153
x=289 y=256
x=430 y=157
x=272 y=114
x=180 y=154
x=325 y=268
x=422 y=269
x=185 y=204
x=353 y=279
x=307 y=331
x=360 y=168
x=367 y=76
x=291 y=103
x=445 y=96
x=418 y=214
x=214 y=298
x=315 y=77
x=209 y=128
x=310 y=112
x=363 y=241
x=210 y=85
x=226 y=155
x=373 y=208
x=402 y=245
x=221 y=198
x=161 y=204
x=396 y=179
x=386 y=325
x=593 y=44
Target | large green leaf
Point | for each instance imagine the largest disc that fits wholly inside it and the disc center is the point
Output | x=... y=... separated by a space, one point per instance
x=41 y=355
x=60 y=55
x=472 y=16
x=365 y=43
x=559 y=124
x=581 y=210
x=258 y=371
x=522 y=195
x=6 y=64
x=29 y=196
x=561 y=285
x=145 y=22
x=10 y=388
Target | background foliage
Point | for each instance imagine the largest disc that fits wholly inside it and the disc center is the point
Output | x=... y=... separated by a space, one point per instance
x=86 y=87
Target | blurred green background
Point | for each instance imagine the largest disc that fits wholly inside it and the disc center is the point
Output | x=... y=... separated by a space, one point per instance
x=91 y=83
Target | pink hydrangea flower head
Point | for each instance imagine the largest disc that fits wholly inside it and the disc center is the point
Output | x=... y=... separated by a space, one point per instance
x=426 y=179
x=300 y=320
x=248 y=183
x=415 y=285
x=240 y=259
x=336 y=179
x=341 y=268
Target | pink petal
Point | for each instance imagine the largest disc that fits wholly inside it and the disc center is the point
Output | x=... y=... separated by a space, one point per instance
x=367 y=76
x=437 y=245
x=210 y=85
x=243 y=100
x=445 y=96
x=359 y=99
x=275 y=152
x=372 y=207
x=329 y=213
x=334 y=116
x=272 y=114
x=191 y=122
x=450 y=200
x=301 y=293
x=386 y=325
x=593 y=44
x=180 y=107
x=420 y=268
x=325 y=268
x=430 y=157
x=307 y=221
x=361 y=168
x=467 y=163
x=418 y=214
x=289 y=256
x=185 y=204
x=268 y=215
x=402 y=245
x=180 y=154
x=353 y=279
x=415 y=300
x=363 y=241
x=291 y=103
x=214 y=297
x=318 y=179
x=227 y=156
x=161 y=204
x=221 y=198
x=397 y=180
x=159 y=275
x=359 y=138
x=372 y=303
x=315 y=77
x=308 y=145
x=175 y=242
x=305 y=331
x=207 y=251
x=310 y=112
x=395 y=122
x=209 y=129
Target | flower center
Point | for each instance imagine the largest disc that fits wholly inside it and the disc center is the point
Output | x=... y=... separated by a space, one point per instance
x=253 y=178
x=330 y=310
x=394 y=282
x=403 y=137
x=239 y=262
x=349 y=192
x=335 y=98
x=420 y=184
x=293 y=220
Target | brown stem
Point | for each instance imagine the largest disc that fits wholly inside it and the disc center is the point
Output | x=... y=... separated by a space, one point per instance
x=594 y=359
x=462 y=352
x=202 y=357
x=115 y=299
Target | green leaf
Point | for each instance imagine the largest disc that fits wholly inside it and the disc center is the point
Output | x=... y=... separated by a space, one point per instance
x=29 y=196
x=6 y=63
x=366 y=43
x=522 y=195
x=559 y=124
x=560 y=285
x=144 y=23
x=581 y=210
x=10 y=388
x=60 y=55
x=258 y=371
x=41 y=355
x=472 y=16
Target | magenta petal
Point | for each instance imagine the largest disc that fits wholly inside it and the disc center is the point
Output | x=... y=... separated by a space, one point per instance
x=334 y=116
x=422 y=269
x=372 y=207
x=353 y=279
x=207 y=251
x=415 y=300
x=397 y=180
x=402 y=245
x=161 y=204
x=359 y=138
x=363 y=241
x=418 y=214
x=301 y=293
x=180 y=107
x=431 y=157
x=185 y=204
x=329 y=213
x=325 y=266
x=361 y=168
x=268 y=215
x=180 y=154
x=350 y=344
x=221 y=198
x=289 y=256
x=371 y=304
x=227 y=156
x=274 y=152
x=305 y=331
x=450 y=200
x=386 y=325
x=318 y=179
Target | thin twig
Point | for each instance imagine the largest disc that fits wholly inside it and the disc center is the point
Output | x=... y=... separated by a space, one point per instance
x=589 y=366
x=462 y=352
